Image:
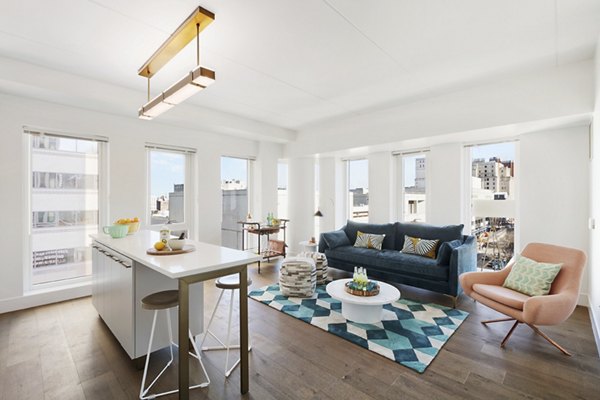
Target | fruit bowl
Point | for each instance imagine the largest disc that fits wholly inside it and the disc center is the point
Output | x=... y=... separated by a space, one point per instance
x=133 y=224
x=133 y=227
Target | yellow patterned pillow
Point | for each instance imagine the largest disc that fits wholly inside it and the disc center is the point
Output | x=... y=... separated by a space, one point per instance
x=369 y=240
x=420 y=247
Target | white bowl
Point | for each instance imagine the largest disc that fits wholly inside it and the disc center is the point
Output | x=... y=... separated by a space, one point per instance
x=176 y=244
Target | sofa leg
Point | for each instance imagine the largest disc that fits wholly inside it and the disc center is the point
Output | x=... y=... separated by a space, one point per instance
x=552 y=342
x=454 y=301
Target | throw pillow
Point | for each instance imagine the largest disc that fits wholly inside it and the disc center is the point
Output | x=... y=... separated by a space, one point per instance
x=420 y=247
x=531 y=277
x=369 y=240
x=336 y=239
x=445 y=251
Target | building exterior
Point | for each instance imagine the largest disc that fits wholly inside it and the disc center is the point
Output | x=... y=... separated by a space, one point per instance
x=495 y=175
x=64 y=207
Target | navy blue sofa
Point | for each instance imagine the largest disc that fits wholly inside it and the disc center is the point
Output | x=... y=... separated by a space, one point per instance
x=456 y=254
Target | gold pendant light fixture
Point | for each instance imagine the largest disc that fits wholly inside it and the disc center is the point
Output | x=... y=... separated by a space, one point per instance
x=197 y=79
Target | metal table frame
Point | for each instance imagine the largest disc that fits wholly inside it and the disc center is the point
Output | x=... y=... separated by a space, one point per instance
x=184 y=309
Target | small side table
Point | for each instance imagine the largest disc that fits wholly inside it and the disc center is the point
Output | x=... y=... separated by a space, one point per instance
x=310 y=247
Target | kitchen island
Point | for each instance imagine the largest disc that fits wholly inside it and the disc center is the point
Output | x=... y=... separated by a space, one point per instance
x=123 y=273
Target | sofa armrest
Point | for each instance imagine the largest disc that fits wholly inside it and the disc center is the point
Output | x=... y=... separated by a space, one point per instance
x=463 y=259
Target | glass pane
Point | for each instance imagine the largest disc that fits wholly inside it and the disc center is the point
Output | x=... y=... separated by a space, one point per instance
x=358 y=190
x=167 y=179
x=492 y=202
x=64 y=212
x=234 y=190
x=414 y=173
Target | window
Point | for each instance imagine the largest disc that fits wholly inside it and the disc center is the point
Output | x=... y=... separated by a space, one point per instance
x=167 y=192
x=282 y=192
x=358 y=190
x=492 y=200
x=66 y=195
x=235 y=174
x=414 y=187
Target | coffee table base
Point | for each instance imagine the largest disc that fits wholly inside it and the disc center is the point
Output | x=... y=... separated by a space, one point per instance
x=362 y=314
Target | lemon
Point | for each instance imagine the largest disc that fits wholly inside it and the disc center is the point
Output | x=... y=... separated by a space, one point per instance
x=159 y=246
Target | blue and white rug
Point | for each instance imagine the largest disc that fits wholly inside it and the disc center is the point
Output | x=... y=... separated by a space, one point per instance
x=411 y=333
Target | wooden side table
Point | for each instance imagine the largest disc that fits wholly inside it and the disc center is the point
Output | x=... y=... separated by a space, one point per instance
x=273 y=249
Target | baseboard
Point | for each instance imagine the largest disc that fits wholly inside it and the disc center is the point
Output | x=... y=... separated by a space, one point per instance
x=41 y=298
x=595 y=320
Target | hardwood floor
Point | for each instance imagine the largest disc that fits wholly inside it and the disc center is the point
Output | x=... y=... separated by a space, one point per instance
x=64 y=351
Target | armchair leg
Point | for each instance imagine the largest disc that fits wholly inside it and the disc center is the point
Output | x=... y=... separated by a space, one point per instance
x=509 y=333
x=491 y=321
x=552 y=342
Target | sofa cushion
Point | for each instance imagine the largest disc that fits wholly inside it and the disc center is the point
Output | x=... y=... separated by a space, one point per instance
x=395 y=262
x=389 y=230
x=425 y=231
x=502 y=295
x=390 y=261
x=336 y=239
x=420 y=247
x=369 y=240
x=445 y=251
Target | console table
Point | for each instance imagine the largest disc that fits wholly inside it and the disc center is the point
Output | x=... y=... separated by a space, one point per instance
x=256 y=228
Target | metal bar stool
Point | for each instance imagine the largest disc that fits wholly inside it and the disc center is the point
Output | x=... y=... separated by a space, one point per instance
x=232 y=283
x=165 y=301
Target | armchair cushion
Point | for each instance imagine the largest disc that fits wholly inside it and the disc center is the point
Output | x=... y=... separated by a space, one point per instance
x=502 y=295
x=531 y=277
x=336 y=239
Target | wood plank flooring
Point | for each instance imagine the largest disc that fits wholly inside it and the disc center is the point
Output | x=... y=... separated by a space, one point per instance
x=64 y=351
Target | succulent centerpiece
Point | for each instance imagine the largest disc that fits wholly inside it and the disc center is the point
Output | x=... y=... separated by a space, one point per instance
x=360 y=285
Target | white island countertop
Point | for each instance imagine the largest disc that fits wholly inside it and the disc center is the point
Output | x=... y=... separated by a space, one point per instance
x=206 y=257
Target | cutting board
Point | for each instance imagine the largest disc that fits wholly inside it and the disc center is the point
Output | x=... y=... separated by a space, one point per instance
x=166 y=252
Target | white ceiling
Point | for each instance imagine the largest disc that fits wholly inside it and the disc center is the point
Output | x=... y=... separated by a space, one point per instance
x=297 y=63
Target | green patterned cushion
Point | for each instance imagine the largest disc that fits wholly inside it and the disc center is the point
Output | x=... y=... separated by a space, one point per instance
x=369 y=240
x=531 y=277
x=420 y=247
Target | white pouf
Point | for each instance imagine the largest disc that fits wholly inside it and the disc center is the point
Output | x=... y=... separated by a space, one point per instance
x=298 y=277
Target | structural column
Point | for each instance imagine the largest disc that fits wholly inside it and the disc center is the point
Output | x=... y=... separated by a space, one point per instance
x=301 y=198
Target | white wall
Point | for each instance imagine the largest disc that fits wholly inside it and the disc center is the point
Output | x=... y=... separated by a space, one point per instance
x=301 y=195
x=380 y=189
x=445 y=187
x=594 y=254
x=553 y=190
x=127 y=180
x=327 y=194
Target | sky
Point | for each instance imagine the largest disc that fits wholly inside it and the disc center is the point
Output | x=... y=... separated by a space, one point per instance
x=234 y=169
x=166 y=169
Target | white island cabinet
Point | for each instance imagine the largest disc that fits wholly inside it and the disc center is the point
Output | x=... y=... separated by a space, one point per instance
x=121 y=278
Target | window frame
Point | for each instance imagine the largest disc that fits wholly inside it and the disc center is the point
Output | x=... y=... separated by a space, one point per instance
x=347 y=204
x=400 y=181
x=188 y=223
x=27 y=192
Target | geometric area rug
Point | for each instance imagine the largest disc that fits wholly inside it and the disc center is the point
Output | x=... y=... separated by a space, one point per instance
x=411 y=333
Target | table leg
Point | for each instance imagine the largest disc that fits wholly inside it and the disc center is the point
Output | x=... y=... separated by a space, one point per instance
x=184 y=323
x=244 y=367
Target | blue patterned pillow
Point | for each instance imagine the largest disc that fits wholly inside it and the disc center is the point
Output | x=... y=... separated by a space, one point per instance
x=445 y=251
x=336 y=239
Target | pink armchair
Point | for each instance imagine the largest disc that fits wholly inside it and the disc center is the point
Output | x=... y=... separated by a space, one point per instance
x=552 y=309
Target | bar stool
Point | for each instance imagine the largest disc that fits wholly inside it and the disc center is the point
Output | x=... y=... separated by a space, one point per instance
x=232 y=283
x=158 y=301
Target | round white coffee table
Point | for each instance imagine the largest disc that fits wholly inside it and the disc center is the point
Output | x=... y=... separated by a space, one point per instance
x=362 y=309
